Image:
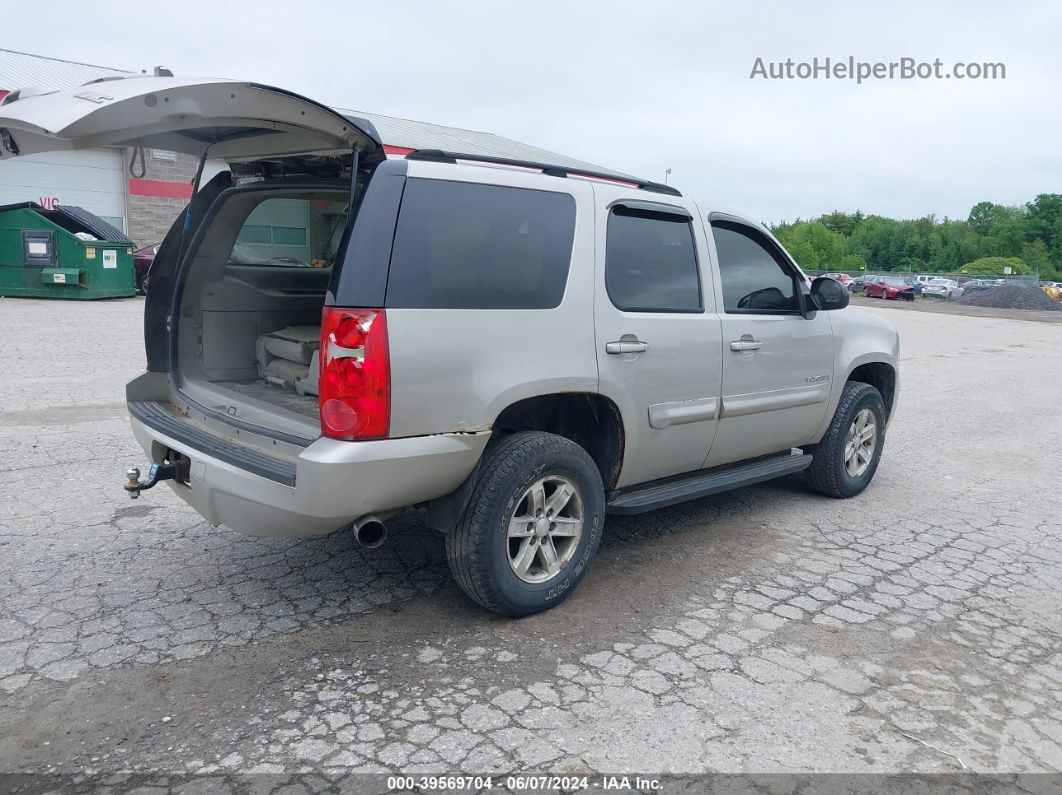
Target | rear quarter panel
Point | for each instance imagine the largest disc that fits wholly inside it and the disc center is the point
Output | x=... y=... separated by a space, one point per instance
x=457 y=369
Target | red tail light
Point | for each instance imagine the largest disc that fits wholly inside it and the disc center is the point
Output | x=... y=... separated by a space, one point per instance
x=355 y=384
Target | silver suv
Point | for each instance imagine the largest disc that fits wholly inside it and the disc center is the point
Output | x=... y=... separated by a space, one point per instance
x=515 y=348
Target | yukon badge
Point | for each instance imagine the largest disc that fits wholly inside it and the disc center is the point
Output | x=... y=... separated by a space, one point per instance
x=817 y=379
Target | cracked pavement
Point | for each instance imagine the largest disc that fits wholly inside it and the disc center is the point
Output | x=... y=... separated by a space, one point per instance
x=915 y=628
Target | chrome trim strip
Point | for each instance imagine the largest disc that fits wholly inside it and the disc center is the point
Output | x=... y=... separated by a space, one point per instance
x=755 y=403
x=680 y=412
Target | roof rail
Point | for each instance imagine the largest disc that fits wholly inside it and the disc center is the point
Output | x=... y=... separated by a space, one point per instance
x=439 y=156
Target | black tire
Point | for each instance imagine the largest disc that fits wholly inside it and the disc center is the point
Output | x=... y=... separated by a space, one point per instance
x=827 y=473
x=478 y=548
x=140 y=285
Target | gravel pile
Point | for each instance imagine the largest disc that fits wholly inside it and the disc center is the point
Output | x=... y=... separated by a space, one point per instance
x=1009 y=297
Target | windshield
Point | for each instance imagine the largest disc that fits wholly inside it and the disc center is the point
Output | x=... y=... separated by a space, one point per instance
x=894 y=280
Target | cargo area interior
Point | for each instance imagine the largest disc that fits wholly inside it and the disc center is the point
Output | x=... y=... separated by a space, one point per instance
x=247 y=337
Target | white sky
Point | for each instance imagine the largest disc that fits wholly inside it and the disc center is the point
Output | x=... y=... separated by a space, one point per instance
x=642 y=86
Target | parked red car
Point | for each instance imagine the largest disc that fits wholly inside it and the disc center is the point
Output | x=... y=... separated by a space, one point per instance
x=888 y=287
x=142 y=259
x=843 y=278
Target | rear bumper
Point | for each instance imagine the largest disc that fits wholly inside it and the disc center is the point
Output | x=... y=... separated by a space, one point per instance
x=334 y=482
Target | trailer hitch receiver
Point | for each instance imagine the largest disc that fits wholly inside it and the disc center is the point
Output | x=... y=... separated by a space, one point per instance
x=167 y=470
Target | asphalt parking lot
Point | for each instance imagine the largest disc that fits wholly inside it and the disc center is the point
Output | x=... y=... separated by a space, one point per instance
x=915 y=628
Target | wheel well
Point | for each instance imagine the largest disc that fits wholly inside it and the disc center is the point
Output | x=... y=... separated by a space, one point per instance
x=882 y=377
x=591 y=421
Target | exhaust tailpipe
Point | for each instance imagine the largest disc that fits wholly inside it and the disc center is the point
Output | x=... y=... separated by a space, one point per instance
x=370 y=531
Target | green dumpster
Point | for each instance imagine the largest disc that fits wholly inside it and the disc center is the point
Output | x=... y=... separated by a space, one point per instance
x=64 y=252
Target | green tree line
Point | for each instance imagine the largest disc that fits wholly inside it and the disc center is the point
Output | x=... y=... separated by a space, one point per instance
x=1027 y=238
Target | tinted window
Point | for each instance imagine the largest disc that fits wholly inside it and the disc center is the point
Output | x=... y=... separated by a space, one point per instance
x=253 y=233
x=754 y=278
x=651 y=263
x=298 y=233
x=289 y=235
x=468 y=246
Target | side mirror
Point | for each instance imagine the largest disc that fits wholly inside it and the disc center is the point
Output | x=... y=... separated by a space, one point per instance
x=828 y=294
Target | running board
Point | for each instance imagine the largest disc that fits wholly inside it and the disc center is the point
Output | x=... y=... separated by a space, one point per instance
x=660 y=494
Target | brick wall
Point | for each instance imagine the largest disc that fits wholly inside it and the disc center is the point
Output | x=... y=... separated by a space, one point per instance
x=153 y=207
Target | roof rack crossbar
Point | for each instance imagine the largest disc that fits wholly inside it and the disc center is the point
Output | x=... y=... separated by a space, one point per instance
x=551 y=169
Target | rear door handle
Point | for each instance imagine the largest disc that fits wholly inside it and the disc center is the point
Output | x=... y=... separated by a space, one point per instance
x=746 y=345
x=626 y=346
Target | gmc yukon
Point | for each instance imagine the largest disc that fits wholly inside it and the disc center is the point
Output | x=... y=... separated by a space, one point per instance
x=517 y=349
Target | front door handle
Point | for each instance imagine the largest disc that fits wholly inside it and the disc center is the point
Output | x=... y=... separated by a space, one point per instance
x=626 y=346
x=746 y=344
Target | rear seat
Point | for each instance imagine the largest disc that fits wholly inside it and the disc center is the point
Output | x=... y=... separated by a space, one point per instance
x=288 y=358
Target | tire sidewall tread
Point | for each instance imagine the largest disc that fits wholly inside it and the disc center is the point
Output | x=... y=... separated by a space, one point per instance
x=476 y=548
x=827 y=474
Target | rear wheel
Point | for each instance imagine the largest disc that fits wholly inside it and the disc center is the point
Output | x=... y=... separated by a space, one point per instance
x=532 y=525
x=845 y=461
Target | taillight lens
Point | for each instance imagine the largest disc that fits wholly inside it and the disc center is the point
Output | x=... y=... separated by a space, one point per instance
x=355 y=383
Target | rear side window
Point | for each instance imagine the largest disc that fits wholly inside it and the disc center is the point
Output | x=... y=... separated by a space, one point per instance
x=651 y=262
x=461 y=245
x=754 y=277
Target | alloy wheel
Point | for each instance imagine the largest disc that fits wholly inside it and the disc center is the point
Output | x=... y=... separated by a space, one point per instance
x=545 y=529
x=860 y=442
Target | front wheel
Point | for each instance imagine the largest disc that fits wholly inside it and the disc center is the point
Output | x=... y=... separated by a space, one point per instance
x=845 y=460
x=532 y=525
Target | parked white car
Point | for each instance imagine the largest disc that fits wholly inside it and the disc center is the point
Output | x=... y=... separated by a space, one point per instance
x=942 y=288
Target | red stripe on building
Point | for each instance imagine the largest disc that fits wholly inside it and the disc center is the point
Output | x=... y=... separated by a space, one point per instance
x=396 y=150
x=160 y=190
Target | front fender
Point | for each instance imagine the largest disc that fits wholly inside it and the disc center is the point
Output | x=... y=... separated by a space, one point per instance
x=860 y=337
